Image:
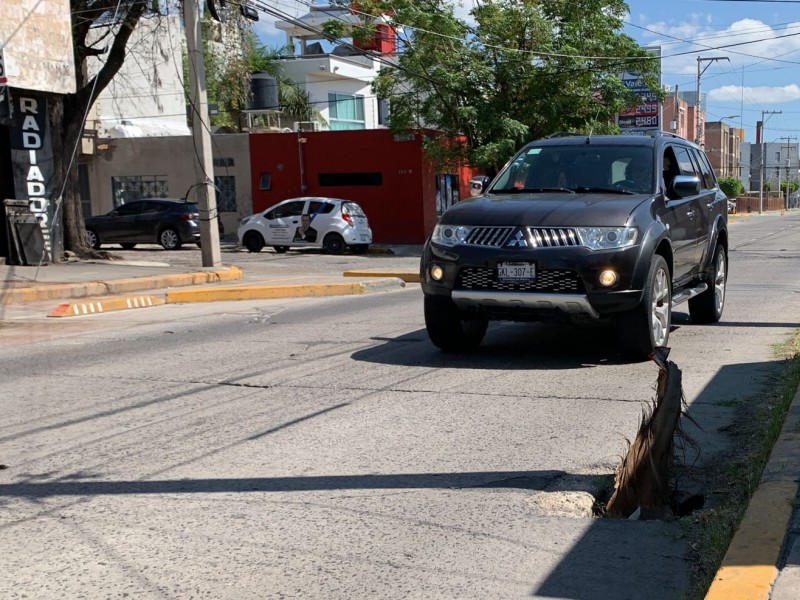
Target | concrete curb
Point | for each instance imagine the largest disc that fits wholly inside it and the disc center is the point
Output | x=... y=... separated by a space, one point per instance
x=750 y=566
x=407 y=276
x=116 y=286
x=268 y=292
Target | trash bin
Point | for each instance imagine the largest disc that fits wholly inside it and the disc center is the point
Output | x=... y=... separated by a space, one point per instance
x=25 y=238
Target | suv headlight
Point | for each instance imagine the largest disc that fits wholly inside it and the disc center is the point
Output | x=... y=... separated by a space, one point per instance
x=450 y=235
x=606 y=238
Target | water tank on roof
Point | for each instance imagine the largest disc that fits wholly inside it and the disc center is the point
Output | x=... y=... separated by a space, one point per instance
x=263 y=92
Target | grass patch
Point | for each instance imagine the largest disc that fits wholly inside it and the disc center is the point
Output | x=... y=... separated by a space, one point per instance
x=760 y=421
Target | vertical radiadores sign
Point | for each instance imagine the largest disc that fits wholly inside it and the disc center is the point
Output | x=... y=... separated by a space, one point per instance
x=32 y=160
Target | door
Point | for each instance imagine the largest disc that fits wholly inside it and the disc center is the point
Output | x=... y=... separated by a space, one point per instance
x=711 y=205
x=680 y=214
x=149 y=221
x=120 y=224
x=282 y=223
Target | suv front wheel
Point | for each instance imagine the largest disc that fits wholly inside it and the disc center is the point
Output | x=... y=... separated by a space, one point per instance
x=447 y=327
x=707 y=307
x=646 y=327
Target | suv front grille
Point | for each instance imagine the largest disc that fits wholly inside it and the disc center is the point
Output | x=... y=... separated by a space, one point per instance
x=556 y=281
x=489 y=236
x=545 y=237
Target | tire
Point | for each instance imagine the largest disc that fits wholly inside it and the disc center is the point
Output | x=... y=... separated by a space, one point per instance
x=92 y=239
x=707 y=307
x=359 y=248
x=334 y=243
x=447 y=328
x=128 y=246
x=647 y=326
x=253 y=241
x=280 y=249
x=169 y=239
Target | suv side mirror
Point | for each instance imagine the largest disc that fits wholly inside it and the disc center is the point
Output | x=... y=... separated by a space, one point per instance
x=686 y=185
x=478 y=185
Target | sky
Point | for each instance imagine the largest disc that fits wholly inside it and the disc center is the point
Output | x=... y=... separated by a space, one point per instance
x=760 y=39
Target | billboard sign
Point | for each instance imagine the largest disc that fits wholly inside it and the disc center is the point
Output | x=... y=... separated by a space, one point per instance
x=647 y=113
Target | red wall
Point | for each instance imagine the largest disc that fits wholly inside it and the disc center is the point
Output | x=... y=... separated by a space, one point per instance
x=400 y=211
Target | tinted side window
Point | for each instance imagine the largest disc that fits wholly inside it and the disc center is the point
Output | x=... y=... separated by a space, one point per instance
x=151 y=208
x=290 y=209
x=706 y=170
x=685 y=164
x=128 y=210
x=320 y=208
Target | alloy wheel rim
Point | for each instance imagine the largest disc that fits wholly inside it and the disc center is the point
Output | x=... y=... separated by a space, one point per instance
x=660 y=309
x=719 y=283
x=169 y=238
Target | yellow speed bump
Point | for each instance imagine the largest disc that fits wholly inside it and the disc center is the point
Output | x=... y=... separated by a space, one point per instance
x=93 y=307
x=407 y=276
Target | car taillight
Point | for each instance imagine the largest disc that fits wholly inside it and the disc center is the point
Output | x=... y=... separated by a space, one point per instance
x=348 y=218
x=189 y=216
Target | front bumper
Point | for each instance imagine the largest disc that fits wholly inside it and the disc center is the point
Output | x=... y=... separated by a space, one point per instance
x=566 y=283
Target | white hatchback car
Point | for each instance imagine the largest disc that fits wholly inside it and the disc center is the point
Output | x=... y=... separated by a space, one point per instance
x=311 y=222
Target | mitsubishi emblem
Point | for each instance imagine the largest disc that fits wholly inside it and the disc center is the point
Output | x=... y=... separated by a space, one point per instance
x=518 y=240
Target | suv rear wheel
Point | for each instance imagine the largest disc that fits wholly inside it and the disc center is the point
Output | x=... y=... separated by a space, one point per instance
x=647 y=326
x=169 y=239
x=707 y=307
x=447 y=327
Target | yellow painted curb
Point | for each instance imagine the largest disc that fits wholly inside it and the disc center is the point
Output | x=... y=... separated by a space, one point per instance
x=116 y=286
x=407 y=276
x=264 y=292
x=750 y=565
x=98 y=306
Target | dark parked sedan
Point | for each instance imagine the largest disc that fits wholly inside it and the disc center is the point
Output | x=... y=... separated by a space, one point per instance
x=168 y=222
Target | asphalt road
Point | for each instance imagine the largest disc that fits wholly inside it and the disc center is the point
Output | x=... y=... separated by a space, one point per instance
x=323 y=448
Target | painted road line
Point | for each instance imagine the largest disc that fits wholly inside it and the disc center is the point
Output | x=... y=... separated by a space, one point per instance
x=97 y=306
x=407 y=276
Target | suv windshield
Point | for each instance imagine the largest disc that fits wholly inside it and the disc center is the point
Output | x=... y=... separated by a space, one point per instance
x=624 y=169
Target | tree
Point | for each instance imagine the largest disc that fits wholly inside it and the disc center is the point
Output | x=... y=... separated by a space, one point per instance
x=731 y=186
x=520 y=71
x=67 y=112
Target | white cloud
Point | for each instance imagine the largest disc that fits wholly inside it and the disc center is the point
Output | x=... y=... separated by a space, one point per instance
x=700 y=38
x=756 y=95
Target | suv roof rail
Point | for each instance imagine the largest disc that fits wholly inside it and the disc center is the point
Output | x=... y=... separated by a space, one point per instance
x=559 y=134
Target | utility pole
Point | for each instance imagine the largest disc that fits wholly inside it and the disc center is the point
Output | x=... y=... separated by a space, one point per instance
x=206 y=198
x=709 y=60
x=763 y=168
x=788 y=164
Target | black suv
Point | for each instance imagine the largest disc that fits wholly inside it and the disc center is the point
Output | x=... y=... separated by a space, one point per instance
x=164 y=221
x=598 y=228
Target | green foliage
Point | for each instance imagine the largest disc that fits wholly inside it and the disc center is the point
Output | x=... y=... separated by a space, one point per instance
x=731 y=186
x=522 y=71
x=231 y=53
x=790 y=186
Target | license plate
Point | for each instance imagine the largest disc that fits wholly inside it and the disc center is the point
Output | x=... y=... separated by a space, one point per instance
x=516 y=271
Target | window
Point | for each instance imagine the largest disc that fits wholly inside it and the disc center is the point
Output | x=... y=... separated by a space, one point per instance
x=316 y=207
x=129 y=210
x=684 y=161
x=265 y=181
x=345 y=112
x=290 y=209
x=707 y=173
x=152 y=208
x=224 y=161
x=350 y=179
x=225 y=186
x=128 y=188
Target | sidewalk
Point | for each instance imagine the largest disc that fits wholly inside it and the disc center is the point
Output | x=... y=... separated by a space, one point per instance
x=763 y=561
x=182 y=280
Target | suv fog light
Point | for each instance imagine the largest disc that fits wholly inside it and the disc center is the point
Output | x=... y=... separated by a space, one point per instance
x=437 y=272
x=608 y=278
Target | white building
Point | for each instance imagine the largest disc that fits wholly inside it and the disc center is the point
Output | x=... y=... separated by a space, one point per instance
x=339 y=79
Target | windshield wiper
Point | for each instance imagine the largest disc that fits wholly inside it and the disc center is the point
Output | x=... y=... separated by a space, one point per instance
x=602 y=190
x=534 y=190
